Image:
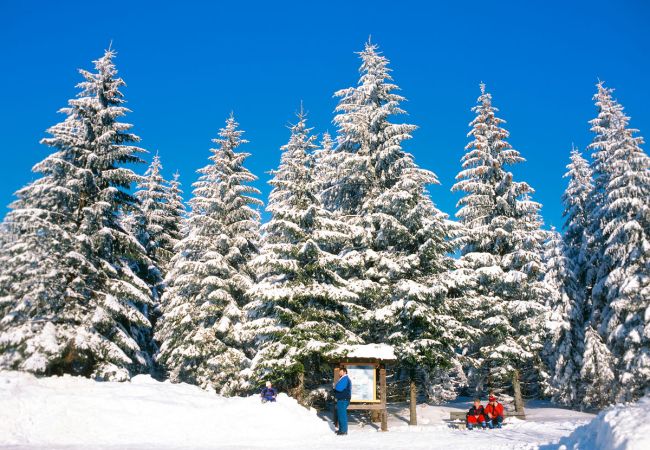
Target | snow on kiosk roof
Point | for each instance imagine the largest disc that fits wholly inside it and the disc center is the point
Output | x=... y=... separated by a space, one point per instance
x=367 y=352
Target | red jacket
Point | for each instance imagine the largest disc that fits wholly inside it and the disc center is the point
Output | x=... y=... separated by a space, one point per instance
x=496 y=410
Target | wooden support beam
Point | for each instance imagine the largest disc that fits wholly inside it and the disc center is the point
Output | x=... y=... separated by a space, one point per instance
x=362 y=406
x=382 y=397
x=413 y=398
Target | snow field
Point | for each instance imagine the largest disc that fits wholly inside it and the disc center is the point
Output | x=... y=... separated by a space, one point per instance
x=69 y=412
x=617 y=428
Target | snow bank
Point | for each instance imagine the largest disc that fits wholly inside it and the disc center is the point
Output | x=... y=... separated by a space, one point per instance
x=66 y=413
x=72 y=411
x=623 y=427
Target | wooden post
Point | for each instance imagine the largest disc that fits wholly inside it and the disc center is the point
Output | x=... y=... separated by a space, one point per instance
x=382 y=397
x=413 y=419
x=516 y=388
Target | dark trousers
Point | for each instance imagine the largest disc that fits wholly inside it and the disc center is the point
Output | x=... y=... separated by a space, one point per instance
x=496 y=422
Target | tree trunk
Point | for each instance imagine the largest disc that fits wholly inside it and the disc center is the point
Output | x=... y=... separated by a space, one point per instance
x=299 y=390
x=516 y=388
x=413 y=419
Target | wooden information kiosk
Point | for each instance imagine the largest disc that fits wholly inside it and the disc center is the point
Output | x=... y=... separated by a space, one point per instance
x=366 y=364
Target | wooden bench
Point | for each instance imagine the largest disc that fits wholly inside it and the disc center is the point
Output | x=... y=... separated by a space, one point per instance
x=457 y=418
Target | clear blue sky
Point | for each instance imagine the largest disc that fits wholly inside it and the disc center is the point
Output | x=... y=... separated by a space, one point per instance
x=188 y=64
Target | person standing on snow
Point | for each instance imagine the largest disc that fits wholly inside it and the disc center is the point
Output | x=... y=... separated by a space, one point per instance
x=493 y=412
x=269 y=393
x=343 y=394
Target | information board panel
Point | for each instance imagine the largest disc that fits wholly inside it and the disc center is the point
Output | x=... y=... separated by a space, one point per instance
x=364 y=382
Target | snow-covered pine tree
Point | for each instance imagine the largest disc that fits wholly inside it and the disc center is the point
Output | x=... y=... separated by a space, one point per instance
x=622 y=284
x=597 y=377
x=44 y=281
x=401 y=241
x=565 y=325
x=500 y=268
x=161 y=214
x=99 y=327
x=567 y=274
x=298 y=306
x=576 y=223
x=176 y=208
x=323 y=161
x=201 y=324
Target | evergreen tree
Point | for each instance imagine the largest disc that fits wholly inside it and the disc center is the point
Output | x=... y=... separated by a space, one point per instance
x=201 y=324
x=576 y=224
x=621 y=294
x=597 y=371
x=176 y=208
x=500 y=266
x=324 y=165
x=43 y=279
x=562 y=352
x=298 y=307
x=158 y=226
x=567 y=265
x=89 y=314
x=400 y=240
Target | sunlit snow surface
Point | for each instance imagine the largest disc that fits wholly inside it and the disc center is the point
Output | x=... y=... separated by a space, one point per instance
x=68 y=412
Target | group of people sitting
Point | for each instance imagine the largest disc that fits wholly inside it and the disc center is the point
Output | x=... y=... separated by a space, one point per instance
x=490 y=416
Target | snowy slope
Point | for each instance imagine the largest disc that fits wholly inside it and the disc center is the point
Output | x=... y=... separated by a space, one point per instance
x=68 y=412
x=617 y=428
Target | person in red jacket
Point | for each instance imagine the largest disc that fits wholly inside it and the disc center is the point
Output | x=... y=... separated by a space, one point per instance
x=476 y=416
x=493 y=412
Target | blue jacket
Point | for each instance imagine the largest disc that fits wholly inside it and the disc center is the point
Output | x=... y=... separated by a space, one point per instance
x=343 y=389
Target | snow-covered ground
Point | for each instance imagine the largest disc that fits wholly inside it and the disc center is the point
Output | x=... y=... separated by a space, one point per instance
x=619 y=428
x=68 y=412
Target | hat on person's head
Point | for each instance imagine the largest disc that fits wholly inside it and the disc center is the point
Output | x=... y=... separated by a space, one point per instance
x=492 y=398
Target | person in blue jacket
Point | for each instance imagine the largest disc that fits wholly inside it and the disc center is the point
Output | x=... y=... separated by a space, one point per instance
x=343 y=394
x=269 y=393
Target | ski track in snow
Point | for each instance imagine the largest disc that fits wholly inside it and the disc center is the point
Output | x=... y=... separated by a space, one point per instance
x=77 y=413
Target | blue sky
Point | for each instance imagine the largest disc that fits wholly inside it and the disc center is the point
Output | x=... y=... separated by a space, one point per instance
x=188 y=64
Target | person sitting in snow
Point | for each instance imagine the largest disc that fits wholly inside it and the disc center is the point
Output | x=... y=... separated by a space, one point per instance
x=269 y=393
x=476 y=415
x=493 y=412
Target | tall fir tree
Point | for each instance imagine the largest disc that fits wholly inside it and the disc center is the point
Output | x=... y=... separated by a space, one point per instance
x=324 y=164
x=562 y=352
x=576 y=221
x=89 y=314
x=158 y=226
x=401 y=241
x=501 y=263
x=177 y=210
x=200 y=331
x=621 y=214
x=567 y=265
x=298 y=307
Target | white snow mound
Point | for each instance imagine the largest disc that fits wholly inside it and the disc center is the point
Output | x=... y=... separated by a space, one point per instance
x=622 y=427
x=71 y=411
